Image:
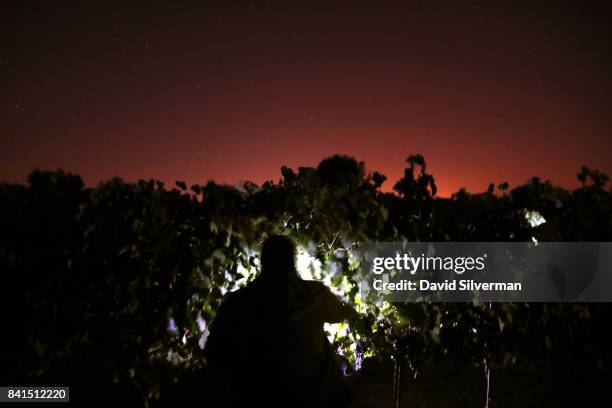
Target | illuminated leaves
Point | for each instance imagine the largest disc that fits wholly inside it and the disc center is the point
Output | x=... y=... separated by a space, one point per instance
x=98 y=273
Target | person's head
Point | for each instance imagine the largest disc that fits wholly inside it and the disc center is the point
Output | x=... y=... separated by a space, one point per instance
x=278 y=258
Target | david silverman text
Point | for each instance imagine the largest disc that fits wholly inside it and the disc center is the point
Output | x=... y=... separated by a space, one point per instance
x=453 y=285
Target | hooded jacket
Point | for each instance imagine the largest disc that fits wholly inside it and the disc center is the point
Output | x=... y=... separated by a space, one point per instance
x=268 y=339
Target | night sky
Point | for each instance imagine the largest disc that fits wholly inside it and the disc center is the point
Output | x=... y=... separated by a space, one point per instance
x=232 y=91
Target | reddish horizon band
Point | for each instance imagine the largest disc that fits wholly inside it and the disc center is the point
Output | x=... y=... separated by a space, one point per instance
x=486 y=93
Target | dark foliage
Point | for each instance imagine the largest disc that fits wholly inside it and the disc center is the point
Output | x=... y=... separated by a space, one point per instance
x=91 y=276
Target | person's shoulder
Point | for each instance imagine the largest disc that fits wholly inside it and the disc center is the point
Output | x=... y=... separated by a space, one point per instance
x=316 y=287
x=232 y=305
x=238 y=296
x=328 y=303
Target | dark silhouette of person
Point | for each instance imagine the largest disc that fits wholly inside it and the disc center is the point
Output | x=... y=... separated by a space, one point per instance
x=268 y=339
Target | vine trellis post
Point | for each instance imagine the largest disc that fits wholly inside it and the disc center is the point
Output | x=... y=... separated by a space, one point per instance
x=397 y=379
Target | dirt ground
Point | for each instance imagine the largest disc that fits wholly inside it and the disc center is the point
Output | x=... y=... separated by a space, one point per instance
x=445 y=385
x=448 y=385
